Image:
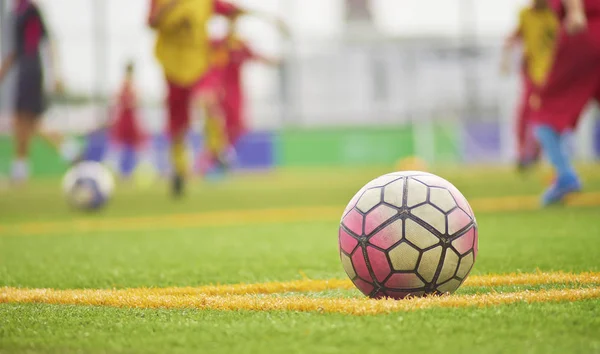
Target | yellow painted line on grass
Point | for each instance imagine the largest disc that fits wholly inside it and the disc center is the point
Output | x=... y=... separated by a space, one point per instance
x=162 y=222
x=309 y=285
x=246 y=217
x=135 y=298
x=525 y=203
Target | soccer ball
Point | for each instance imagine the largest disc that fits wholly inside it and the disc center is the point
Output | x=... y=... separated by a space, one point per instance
x=408 y=233
x=88 y=186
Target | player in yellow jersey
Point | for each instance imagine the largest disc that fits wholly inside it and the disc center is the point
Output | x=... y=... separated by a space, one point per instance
x=537 y=32
x=182 y=49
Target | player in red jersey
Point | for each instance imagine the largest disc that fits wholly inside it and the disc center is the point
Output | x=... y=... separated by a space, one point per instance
x=233 y=99
x=125 y=130
x=574 y=80
x=207 y=94
x=536 y=32
x=224 y=81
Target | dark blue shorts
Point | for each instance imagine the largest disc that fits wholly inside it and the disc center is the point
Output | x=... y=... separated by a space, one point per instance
x=30 y=97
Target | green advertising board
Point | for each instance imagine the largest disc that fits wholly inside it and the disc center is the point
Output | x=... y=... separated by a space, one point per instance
x=45 y=161
x=343 y=147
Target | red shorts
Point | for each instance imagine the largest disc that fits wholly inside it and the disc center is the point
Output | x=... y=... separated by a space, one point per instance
x=573 y=81
x=210 y=83
x=179 y=100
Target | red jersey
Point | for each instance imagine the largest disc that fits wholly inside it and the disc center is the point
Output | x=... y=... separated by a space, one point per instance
x=228 y=58
x=125 y=128
x=592 y=7
x=230 y=55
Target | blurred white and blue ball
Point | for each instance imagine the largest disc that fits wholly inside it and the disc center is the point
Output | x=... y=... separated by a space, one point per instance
x=88 y=186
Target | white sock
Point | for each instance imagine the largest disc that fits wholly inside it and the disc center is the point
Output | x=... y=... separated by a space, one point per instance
x=70 y=150
x=20 y=170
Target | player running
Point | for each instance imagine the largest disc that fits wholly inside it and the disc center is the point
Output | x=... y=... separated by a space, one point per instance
x=125 y=131
x=229 y=56
x=30 y=32
x=182 y=49
x=573 y=81
x=537 y=31
x=233 y=99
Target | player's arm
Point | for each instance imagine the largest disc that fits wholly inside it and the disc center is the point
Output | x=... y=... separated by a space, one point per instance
x=281 y=26
x=227 y=9
x=53 y=52
x=267 y=60
x=575 y=20
x=510 y=43
x=513 y=39
x=158 y=13
x=263 y=59
x=7 y=64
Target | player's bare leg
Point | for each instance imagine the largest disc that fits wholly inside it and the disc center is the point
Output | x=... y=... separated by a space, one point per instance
x=528 y=148
x=179 y=101
x=67 y=147
x=24 y=125
x=216 y=142
x=180 y=164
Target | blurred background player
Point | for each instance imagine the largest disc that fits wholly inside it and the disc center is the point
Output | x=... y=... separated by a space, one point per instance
x=537 y=31
x=182 y=49
x=30 y=32
x=230 y=54
x=126 y=131
x=233 y=100
x=572 y=83
x=207 y=97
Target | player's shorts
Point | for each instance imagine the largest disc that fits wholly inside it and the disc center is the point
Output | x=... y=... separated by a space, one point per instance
x=179 y=100
x=573 y=81
x=29 y=96
x=209 y=84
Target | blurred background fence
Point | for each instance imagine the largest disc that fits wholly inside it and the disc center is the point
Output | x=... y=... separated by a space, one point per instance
x=362 y=82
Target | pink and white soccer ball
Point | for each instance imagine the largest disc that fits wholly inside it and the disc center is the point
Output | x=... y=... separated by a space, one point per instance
x=408 y=233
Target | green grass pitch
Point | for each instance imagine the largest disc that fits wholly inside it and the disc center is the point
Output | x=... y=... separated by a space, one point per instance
x=556 y=239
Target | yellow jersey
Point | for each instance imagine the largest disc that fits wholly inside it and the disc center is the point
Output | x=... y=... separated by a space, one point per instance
x=182 y=44
x=538 y=30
